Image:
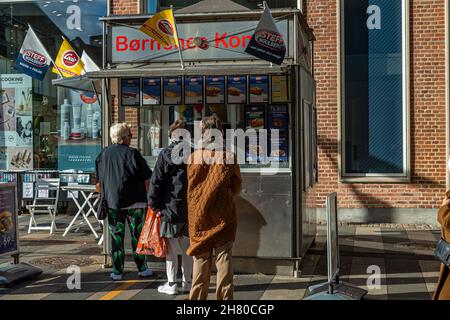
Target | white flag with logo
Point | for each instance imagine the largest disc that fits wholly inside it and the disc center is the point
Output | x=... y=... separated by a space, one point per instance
x=33 y=58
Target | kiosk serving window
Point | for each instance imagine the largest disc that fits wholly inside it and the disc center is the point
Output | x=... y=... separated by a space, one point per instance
x=255 y=108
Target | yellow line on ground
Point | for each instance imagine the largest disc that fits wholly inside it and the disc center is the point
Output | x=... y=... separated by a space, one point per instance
x=114 y=293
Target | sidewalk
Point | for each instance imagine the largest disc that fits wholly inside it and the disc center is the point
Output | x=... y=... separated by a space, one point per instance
x=404 y=255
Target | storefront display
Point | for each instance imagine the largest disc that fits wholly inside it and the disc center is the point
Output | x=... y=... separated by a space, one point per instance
x=8 y=220
x=215 y=90
x=151 y=91
x=259 y=89
x=130 y=92
x=279 y=89
x=237 y=89
x=16 y=125
x=193 y=90
x=172 y=91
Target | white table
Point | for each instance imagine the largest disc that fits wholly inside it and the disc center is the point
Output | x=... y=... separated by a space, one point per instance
x=91 y=199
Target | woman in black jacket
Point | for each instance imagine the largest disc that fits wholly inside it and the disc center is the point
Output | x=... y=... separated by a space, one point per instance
x=124 y=176
x=168 y=197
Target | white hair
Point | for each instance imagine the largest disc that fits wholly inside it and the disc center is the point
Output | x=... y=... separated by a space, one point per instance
x=118 y=131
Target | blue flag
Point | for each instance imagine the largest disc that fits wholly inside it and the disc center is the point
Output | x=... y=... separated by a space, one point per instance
x=33 y=59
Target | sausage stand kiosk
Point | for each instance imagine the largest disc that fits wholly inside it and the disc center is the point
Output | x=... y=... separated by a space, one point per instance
x=144 y=83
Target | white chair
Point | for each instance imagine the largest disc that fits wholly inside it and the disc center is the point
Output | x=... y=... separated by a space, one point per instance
x=46 y=198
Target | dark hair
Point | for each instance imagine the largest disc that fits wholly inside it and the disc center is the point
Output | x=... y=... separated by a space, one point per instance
x=178 y=124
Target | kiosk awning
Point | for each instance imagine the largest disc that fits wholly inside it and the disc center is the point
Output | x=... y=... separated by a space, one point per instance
x=223 y=70
x=80 y=83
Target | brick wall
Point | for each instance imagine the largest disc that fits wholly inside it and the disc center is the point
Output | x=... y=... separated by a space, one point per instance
x=427 y=111
x=124 y=6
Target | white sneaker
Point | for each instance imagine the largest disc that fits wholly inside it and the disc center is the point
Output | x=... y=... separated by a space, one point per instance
x=116 y=277
x=146 y=273
x=168 y=289
x=186 y=287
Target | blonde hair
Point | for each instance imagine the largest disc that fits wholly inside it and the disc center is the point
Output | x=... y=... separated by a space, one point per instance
x=118 y=131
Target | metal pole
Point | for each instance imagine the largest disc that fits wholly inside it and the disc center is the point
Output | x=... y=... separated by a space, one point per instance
x=178 y=39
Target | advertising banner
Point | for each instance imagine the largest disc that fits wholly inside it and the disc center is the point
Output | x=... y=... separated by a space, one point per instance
x=161 y=27
x=16 y=125
x=225 y=40
x=172 y=91
x=8 y=220
x=68 y=63
x=267 y=42
x=193 y=90
x=279 y=88
x=151 y=91
x=277 y=117
x=215 y=90
x=78 y=157
x=33 y=59
x=130 y=92
x=237 y=89
x=259 y=89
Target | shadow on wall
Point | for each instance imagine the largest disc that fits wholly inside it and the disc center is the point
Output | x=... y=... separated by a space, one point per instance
x=371 y=202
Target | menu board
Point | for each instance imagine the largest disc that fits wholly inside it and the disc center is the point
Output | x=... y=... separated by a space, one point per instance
x=259 y=89
x=279 y=149
x=172 y=91
x=8 y=220
x=151 y=91
x=215 y=90
x=237 y=89
x=279 y=89
x=254 y=117
x=277 y=117
x=130 y=92
x=193 y=90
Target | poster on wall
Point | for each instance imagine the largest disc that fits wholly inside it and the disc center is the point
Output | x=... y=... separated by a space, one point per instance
x=8 y=220
x=151 y=91
x=254 y=117
x=130 y=92
x=193 y=90
x=277 y=117
x=279 y=90
x=172 y=91
x=16 y=124
x=237 y=89
x=215 y=90
x=259 y=89
x=80 y=133
x=280 y=152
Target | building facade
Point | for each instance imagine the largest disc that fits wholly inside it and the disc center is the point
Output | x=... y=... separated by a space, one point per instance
x=382 y=66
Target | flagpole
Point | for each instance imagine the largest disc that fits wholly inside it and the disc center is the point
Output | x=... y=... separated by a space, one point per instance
x=54 y=64
x=178 y=39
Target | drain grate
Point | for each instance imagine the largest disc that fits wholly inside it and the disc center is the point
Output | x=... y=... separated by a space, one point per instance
x=60 y=262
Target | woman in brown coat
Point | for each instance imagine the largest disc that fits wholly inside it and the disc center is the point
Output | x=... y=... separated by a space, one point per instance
x=213 y=181
x=443 y=286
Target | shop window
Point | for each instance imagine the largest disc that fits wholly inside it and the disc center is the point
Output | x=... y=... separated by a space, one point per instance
x=375 y=94
x=247 y=113
x=65 y=124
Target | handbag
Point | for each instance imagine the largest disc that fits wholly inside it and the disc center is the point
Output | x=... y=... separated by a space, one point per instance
x=442 y=251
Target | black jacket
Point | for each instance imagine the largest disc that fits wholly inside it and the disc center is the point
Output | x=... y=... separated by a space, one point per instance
x=122 y=172
x=168 y=186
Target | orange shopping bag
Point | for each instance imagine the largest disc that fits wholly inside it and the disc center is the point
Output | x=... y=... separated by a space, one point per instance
x=150 y=241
